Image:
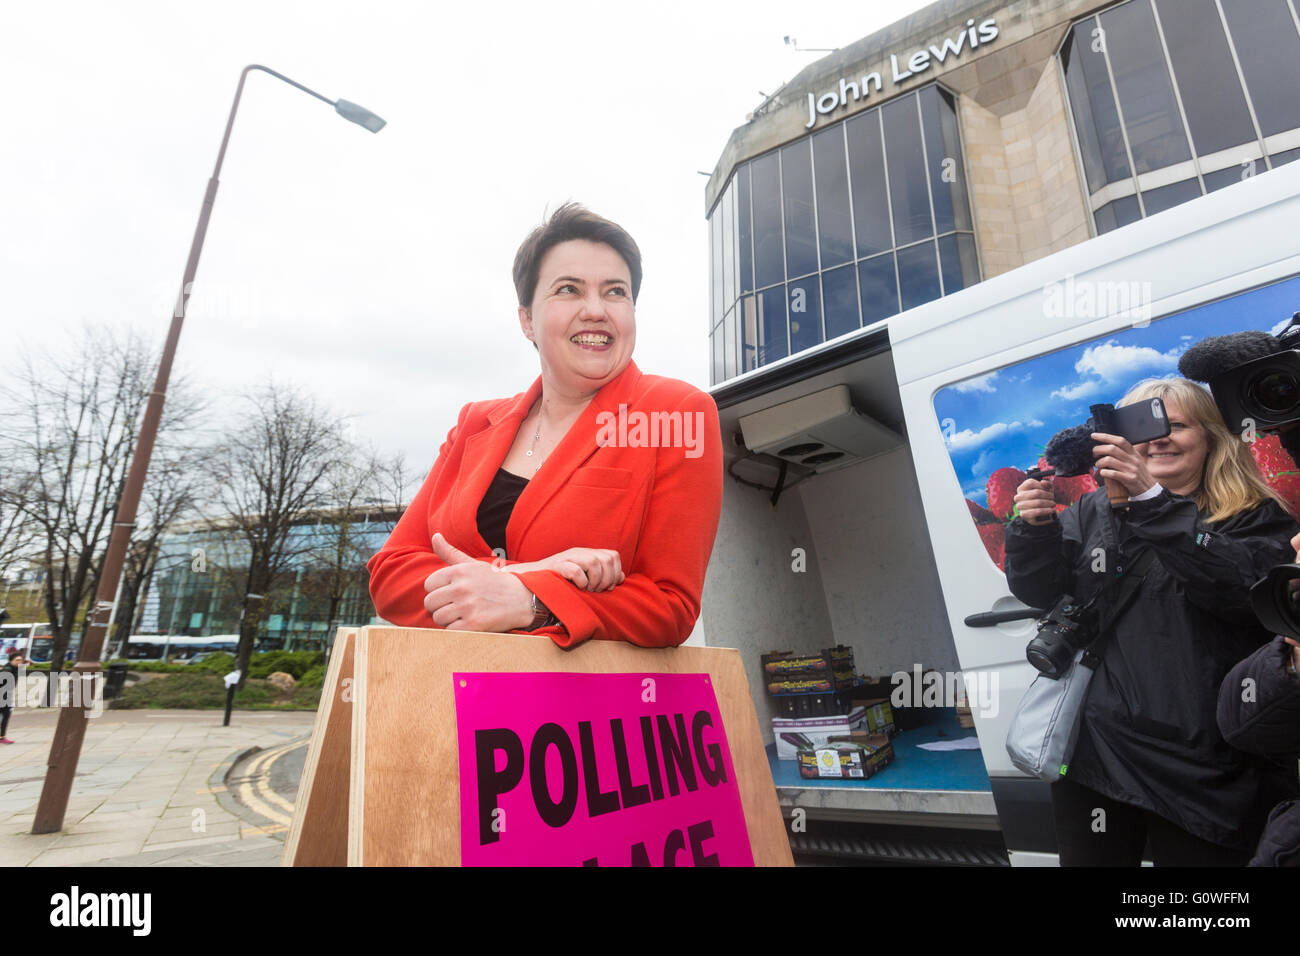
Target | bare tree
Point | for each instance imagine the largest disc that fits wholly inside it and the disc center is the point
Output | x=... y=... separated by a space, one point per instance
x=366 y=494
x=69 y=437
x=174 y=488
x=396 y=482
x=273 y=477
x=17 y=533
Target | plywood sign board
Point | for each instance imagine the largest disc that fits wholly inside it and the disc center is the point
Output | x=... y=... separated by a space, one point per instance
x=443 y=748
x=318 y=836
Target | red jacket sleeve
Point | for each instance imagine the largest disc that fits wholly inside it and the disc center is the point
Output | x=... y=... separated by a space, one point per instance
x=399 y=570
x=658 y=603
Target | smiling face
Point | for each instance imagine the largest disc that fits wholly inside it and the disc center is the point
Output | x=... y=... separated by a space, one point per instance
x=1177 y=462
x=582 y=317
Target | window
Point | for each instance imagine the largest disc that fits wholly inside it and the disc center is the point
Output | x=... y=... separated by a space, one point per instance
x=1172 y=99
x=840 y=229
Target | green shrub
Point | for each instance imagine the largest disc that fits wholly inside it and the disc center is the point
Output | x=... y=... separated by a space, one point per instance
x=197 y=691
x=296 y=663
x=256 y=692
x=315 y=677
x=219 y=663
x=176 y=691
x=307 y=696
x=157 y=667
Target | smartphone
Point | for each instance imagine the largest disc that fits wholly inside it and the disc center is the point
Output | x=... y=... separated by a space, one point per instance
x=1140 y=422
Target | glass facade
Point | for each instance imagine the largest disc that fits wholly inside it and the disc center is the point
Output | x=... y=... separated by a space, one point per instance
x=839 y=229
x=201 y=597
x=1172 y=99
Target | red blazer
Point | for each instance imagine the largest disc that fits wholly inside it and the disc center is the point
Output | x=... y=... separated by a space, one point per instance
x=602 y=487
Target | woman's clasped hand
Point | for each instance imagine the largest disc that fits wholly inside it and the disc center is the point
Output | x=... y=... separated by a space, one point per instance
x=473 y=595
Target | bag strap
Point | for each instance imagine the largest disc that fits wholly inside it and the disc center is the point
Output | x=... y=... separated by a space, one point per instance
x=1126 y=591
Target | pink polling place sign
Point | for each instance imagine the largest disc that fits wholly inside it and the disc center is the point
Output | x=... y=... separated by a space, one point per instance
x=596 y=770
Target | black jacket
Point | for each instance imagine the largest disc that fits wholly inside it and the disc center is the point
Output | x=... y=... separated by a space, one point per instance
x=1148 y=736
x=8 y=686
x=1259 y=712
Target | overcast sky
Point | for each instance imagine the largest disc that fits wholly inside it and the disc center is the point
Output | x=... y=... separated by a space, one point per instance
x=373 y=270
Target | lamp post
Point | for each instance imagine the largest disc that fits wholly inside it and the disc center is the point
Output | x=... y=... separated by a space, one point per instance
x=71 y=729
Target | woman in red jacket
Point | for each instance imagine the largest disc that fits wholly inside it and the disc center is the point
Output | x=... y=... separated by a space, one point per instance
x=585 y=507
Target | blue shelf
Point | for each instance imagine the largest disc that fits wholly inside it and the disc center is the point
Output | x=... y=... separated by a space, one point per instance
x=912 y=769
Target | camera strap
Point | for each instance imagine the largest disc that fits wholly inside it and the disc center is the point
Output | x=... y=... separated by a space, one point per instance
x=1125 y=586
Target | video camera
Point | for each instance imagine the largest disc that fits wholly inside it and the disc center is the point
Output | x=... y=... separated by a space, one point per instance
x=1275 y=599
x=1254 y=376
x=1255 y=380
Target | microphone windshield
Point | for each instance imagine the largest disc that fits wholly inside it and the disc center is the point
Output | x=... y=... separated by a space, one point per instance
x=1069 y=451
x=1211 y=357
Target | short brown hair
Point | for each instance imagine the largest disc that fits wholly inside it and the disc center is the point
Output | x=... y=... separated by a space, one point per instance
x=571 y=221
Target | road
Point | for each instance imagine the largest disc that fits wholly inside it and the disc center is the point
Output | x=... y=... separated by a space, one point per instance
x=266 y=782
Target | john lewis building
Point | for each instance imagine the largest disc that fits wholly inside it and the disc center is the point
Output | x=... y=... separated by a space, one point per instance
x=974 y=137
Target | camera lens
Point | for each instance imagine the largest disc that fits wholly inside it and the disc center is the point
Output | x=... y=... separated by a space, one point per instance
x=1293 y=597
x=1275 y=390
x=1274 y=600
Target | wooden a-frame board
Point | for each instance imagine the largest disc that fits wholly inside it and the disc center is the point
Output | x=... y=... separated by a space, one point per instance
x=380 y=786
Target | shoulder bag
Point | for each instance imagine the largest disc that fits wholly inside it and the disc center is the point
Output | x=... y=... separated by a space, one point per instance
x=1045 y=725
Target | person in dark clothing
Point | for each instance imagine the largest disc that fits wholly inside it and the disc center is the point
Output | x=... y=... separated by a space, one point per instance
x=1150 y=763
x=9 y=675
x=1259 y=712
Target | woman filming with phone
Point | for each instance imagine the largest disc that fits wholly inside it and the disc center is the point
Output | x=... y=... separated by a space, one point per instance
x=1149 y=762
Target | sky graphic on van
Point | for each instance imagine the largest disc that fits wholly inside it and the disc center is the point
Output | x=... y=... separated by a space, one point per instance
x=1004 y=418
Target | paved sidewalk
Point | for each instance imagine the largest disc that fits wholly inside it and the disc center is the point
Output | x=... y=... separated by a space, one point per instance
x=149 y=791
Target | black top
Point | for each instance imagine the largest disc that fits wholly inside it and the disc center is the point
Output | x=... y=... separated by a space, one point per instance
x=497 y=506
x=1148 y=735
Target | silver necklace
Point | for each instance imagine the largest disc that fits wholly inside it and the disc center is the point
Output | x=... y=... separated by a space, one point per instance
x=537 y=435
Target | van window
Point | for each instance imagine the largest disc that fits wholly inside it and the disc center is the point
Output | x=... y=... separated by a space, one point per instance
x=997 y=425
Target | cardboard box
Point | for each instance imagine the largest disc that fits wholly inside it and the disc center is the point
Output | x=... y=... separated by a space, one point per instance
x=791 y=734
x=824 y=672
x=806 y=706
x=880 y=716
x=855 y=756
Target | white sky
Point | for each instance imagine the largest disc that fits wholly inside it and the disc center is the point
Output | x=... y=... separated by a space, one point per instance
x=374 y=270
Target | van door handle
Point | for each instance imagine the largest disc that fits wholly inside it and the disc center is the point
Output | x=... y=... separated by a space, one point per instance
x=989 y=618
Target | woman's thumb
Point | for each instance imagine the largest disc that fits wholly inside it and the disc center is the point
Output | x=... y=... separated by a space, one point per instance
x=448 y=553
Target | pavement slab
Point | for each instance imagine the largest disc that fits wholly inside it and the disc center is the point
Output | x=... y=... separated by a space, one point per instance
x=141 y=778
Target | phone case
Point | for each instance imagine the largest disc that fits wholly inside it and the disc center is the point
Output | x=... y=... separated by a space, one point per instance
x=1140 y=422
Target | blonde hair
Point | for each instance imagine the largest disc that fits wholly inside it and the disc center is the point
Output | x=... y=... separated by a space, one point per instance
x=1230 y=480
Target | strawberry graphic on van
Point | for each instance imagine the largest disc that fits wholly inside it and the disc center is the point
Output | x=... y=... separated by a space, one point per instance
x=1278 y=469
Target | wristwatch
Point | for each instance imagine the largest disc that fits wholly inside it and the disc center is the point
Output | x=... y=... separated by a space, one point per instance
x=542 y=616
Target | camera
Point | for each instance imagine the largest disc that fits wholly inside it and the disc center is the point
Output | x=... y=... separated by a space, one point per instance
x=1275 y=599
x=1066 y=628
x=1264 y=391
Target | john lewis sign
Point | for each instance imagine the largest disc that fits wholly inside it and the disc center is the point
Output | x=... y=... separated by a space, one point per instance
x=920 y=61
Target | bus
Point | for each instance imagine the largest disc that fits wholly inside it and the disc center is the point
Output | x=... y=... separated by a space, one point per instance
x=33 y=641
x=152 y=647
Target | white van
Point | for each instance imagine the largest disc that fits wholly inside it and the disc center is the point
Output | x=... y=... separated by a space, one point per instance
x=891 y=546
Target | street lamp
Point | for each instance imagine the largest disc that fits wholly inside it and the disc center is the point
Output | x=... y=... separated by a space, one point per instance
x=71 y=729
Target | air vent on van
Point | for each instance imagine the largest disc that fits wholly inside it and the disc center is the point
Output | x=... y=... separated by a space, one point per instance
x=822 y=431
